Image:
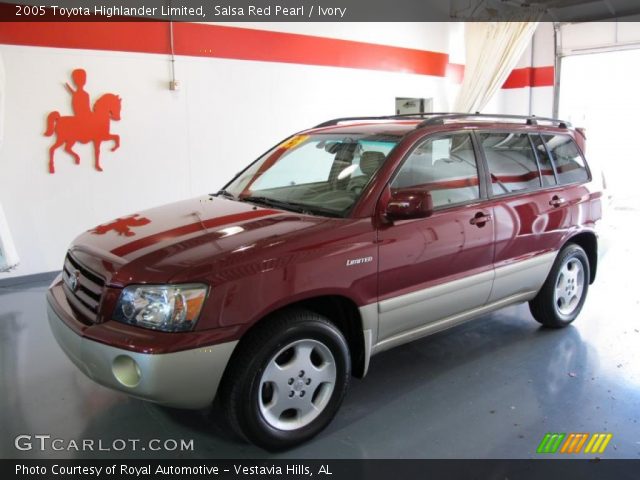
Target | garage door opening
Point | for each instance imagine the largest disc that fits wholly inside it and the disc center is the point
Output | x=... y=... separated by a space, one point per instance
x=598 y=91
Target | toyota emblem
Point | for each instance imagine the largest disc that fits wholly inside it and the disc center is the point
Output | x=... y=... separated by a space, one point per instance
x=73 y=280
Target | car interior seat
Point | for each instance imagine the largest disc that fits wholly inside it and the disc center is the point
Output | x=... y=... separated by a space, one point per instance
x=370 y=162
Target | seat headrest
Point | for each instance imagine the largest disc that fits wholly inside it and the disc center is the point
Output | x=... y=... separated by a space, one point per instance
x=370 y=162
x=344 y=152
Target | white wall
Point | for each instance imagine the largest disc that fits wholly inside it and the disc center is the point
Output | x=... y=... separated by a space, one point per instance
x=530 y=100
x=173 y=144
x=46 y=211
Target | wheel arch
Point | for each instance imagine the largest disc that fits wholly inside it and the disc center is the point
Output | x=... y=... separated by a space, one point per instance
x=589 y=242
x=343 y=312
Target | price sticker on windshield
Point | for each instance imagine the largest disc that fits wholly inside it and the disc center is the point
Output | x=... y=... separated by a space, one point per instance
x=294 y=141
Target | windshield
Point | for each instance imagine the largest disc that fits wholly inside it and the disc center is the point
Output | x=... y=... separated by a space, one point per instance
x=322 y=174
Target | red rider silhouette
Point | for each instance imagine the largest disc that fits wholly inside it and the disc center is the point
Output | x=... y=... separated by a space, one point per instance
x=87 y=124
x=79 y=98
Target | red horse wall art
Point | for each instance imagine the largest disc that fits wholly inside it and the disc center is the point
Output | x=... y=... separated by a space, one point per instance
x=86 y=125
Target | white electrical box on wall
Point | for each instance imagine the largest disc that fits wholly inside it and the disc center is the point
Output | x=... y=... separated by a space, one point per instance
x=405 y=105
x=8 y=254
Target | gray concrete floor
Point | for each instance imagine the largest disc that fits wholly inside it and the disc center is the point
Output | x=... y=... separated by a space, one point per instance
x=488 y=389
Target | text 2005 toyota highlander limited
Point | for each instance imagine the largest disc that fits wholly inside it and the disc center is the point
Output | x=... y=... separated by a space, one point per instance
x=341 y=242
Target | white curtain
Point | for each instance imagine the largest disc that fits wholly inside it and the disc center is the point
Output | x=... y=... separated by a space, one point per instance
x=492 y=50
x=8 y=254
x=3 y=94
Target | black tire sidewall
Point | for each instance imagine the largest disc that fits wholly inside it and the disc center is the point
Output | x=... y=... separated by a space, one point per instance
x=253 y=424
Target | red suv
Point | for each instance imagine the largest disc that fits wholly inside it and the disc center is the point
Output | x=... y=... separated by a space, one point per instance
x=344 y=240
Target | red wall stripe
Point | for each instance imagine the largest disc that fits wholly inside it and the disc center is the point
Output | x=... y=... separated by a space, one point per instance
x=518 y=78
x=224 y=42
x=455 y=72
x=201 y=40
x=248 y=44
x=145 y=37
x=530 y=77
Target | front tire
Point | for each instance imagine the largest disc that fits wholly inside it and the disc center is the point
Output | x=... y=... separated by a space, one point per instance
x=287 y=380
x=564 y=292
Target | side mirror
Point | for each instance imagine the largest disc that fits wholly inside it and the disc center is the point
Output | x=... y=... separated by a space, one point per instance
x=408 y=204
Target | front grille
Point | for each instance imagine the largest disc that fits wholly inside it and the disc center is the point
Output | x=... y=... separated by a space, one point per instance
x=86 y=296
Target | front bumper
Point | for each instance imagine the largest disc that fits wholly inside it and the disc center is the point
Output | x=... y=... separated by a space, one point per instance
x=184 y=379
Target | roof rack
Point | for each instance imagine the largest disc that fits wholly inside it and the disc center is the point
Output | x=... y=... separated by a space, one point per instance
x=438 y=118
x=416 y=116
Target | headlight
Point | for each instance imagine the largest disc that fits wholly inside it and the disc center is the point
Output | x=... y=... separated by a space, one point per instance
x=170 y=308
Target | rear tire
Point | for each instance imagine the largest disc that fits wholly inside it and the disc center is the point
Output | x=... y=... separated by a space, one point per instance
x=564 y=292
x=287 y=380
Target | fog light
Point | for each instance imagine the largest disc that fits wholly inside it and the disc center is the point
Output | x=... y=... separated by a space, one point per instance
x=126 y=371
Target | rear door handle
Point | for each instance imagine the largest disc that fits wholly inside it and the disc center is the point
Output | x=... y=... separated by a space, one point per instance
x=480 y=219
x=557 y=201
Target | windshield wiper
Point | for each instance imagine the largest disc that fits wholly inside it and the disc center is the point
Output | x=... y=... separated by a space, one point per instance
x=270 y=202
x=296 y=207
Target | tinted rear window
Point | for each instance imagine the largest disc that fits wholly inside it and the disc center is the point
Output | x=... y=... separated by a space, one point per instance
x=570 y=166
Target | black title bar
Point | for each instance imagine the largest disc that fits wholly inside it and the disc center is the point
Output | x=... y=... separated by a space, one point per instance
x=315 y=10
x=547 y=469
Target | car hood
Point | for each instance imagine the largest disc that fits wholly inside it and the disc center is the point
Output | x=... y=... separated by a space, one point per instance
x=185 y=241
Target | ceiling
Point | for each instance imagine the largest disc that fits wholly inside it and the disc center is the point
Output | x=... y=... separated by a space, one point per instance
x=545 y=10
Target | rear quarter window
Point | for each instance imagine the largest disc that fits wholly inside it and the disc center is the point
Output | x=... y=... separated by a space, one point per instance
x=569 y=164
x=547 y=172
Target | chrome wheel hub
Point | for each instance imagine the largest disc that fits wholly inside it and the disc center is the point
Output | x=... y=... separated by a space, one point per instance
x=569 y=287
x=297 y=384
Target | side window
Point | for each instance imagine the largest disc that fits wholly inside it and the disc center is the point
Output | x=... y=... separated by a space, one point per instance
x=511 y=161
x=444 y=166
x=546 y=167
x=569 y=164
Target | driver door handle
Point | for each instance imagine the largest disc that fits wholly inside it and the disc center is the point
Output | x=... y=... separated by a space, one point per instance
x=480 y=219
x=557 y=201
